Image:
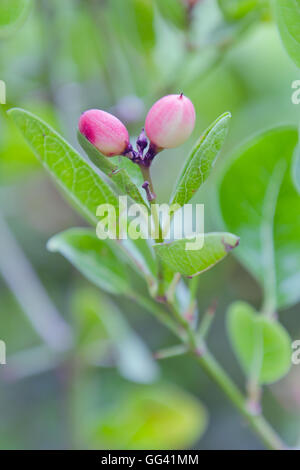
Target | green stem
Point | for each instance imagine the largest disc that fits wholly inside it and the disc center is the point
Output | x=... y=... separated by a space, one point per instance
x=157 y=227
x=182 y=328
x=257 y=422
x=158 y=312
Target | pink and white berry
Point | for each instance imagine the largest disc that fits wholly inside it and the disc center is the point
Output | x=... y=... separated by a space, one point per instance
x=170 y=121
x=106 y=132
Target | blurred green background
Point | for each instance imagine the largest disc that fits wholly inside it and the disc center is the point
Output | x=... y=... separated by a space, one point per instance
x=57 y=60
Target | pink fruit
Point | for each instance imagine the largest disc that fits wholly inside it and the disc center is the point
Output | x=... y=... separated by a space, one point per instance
x=170 y=121
x=107 y=133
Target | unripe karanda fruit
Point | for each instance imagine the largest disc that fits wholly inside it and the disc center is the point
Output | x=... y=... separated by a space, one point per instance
x=170 y=121
x=107 y=133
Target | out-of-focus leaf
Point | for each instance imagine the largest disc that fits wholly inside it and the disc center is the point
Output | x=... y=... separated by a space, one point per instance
x=83 y=187
x=118 y=175
x=101 y=324
x=144 y=18
x=237 y=9
x=200 y=162
x=134 y=22
x=259 y=201
x=94 y=258
x=193 y=262
x=296 y=168
x=288 y=21
x=262 y=346
x=152 y=417
x=12 y=15
x=173 y=11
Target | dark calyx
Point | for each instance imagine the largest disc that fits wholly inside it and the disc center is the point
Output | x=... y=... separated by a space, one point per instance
x=139 y=156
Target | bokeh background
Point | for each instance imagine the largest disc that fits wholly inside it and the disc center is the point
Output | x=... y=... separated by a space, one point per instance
x=58 y=60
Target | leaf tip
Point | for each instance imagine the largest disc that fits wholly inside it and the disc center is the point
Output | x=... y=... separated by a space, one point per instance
x=51 y=244
x=230 y=246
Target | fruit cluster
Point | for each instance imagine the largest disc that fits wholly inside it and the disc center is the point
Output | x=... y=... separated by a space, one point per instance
x=169 y=123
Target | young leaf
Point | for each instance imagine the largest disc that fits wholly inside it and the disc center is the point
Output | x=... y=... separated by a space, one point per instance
x=259 y=201
x=262 y=346
x=201 y=160
x=83 y=187
x=288 y=21
x=193 y=262
x=153 y=417
x=117 y=174
x=12 y=15
x=94 y=258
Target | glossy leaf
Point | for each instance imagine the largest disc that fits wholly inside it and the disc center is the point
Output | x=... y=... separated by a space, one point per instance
x=12 y=15
x=259 y=201
x=262 y=346
x=288 y=20
x=193 y=262
x=156 y=417
x=83 y=187
x=201 y=160
x=97 y=260
x=114 y=171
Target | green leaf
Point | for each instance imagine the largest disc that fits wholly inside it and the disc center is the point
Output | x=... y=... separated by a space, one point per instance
x=100 y=323
x=144 y=19
x=152 y=417
x=259 y=201
x=173 y=11
x=114 y=171
x=296 y=168
x=201 y=160
x=193 y=262
x=12 y=14
x=96 y=259
x=237 y=9
x=288 y=21
x=262 y=346
x=133 y=22
x=83 y=187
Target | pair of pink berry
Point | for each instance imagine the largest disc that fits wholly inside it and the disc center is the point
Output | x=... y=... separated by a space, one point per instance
x=169 y=123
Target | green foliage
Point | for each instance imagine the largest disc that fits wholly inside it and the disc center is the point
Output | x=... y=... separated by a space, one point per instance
x=297 y=168
x=134 y=22
x=83 y=187
x=12 y=15
x=156 y=417
x=259 y=201
x=201 y=160
x=103 y=333
x=288 y=20
x=262 y=346
x=193 y=262
x=117 y=174
x=95 y=259
x=144 y=19
x=173 y=11
x=237 y=9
